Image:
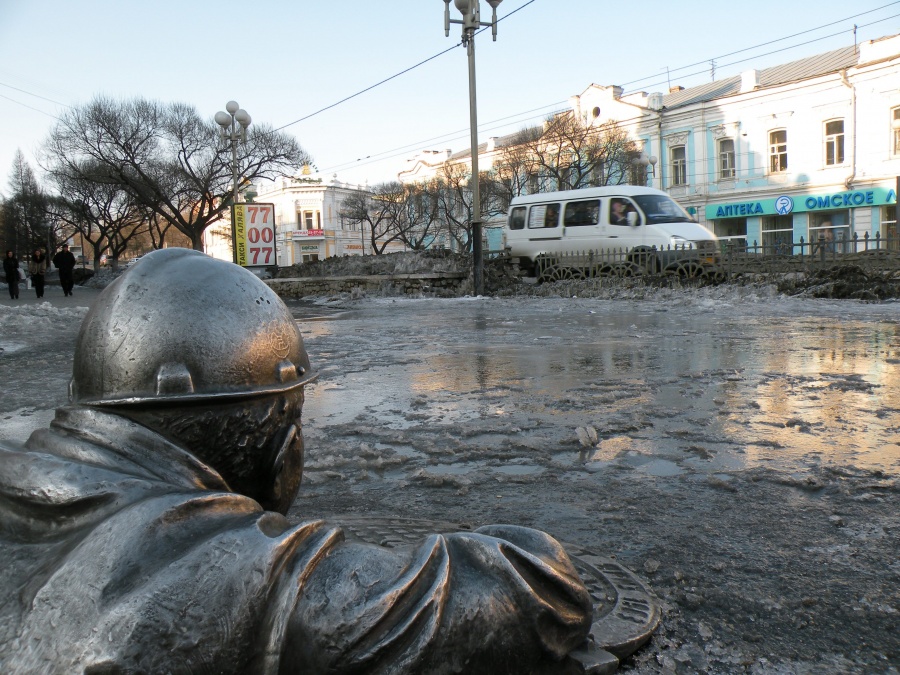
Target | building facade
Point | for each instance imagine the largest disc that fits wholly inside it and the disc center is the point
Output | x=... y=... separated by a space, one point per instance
x=309 y=225
x=308 y=221
x=805 y=151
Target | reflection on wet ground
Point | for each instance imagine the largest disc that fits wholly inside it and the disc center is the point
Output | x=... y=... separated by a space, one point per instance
x=456 y=388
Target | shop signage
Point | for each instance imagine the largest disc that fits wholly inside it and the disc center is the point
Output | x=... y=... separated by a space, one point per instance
x=301 y=234
x=306 y=248
x=254 y=234
x=783 y=204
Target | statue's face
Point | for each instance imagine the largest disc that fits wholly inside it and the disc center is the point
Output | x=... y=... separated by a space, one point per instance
x=286 y=469
x=255 y=444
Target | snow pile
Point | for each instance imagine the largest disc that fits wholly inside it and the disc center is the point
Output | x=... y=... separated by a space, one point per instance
x=405 y=262
x=43 y=315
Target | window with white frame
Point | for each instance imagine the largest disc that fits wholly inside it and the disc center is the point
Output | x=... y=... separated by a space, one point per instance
x=895 y=130
x=778 y=234
x=732 y=233
x=679 y=165
x=726 y=158
x=778 y=157
x=834 y=142
x=889 y=228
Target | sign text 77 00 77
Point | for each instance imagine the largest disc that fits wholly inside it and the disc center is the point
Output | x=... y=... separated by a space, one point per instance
x=256 y=240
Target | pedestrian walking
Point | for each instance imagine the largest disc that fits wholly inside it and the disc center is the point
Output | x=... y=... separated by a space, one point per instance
x=37 y=267
x=64 y=261
x=11 y=269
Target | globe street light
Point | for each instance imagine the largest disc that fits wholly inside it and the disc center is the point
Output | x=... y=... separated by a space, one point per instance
x=648 y=164
x=470 y=22
x=234 y=124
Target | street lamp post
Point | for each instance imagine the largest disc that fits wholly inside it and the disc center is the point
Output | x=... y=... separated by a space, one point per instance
x=649 y=166
x=234 y=124
x=470 y=22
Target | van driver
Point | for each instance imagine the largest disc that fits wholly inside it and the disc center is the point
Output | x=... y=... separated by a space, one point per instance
x=617 y=215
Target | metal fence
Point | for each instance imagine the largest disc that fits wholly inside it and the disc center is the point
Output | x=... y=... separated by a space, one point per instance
x=716 y=262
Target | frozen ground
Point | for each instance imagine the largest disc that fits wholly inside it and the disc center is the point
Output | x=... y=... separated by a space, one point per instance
x=738 y=449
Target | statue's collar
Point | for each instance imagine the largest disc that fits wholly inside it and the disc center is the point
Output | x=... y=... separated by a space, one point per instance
x=101 y=437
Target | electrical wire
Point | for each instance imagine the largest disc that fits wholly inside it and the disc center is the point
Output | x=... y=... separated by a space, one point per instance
x=356 y=163
x=776 y=51
x=450 y=136
x=458 y=44
x=25 y=105
x=9 y=86
x=770 y=42
x=392 y=77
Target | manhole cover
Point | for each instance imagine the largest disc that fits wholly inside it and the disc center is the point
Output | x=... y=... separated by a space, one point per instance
x=625 y=611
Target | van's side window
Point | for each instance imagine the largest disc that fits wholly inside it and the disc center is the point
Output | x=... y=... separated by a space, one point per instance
x=543 y=215
x=517 y=218
x=619 y=208
x=582 y=213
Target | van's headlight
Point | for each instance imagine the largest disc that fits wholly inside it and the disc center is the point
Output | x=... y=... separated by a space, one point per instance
x=678 y=241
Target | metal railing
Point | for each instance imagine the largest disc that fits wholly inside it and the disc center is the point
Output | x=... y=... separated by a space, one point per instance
x=716 y=262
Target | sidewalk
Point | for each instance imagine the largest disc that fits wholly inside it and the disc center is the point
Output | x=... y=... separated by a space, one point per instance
x=81 y=297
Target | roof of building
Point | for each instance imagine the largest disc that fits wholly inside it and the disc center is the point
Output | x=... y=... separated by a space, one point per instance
x=795 y=71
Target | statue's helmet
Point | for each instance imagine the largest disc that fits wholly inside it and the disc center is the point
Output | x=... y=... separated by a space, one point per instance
x=182 y=327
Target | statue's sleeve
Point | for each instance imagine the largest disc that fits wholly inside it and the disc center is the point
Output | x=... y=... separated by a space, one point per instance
x=495 y=600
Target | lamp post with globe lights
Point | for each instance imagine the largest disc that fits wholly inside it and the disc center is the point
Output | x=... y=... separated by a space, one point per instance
x=234 y=124
x=648 y=164
x=471 y=22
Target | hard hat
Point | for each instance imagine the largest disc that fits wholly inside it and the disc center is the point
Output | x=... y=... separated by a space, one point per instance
x=180 y=326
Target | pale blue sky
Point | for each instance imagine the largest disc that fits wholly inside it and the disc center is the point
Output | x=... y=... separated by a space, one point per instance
x=284 y=60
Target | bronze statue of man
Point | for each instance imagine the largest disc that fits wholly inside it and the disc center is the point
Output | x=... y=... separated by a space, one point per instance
x=143 y=531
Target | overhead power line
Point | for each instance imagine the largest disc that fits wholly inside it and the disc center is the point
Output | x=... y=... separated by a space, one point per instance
x=356 y=163
x=25 y=105
x=392 y=77
x=771 y=42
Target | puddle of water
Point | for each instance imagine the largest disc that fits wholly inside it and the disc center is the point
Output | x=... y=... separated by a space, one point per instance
x=517 y=470
x=454 y=469
x=661 y=468
x=7 y=348
x=771 y=386
x=402 y=450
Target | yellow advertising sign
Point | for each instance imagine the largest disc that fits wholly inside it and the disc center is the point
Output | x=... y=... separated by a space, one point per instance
x=240 y=234
x=254 y=234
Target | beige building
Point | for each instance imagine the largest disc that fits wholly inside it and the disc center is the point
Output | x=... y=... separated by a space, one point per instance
x=308 y=221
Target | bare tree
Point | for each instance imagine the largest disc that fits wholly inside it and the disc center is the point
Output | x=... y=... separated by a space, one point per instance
x=92 y=202
x=167 y=157
x=564 y=155
x=421 y=224
x=383 y=210
x=515 y=168
x=26 y=224
x=77 y=215
x=158 y=228
x=453 y=196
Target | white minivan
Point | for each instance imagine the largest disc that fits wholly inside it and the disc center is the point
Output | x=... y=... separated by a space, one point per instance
x=629 y=224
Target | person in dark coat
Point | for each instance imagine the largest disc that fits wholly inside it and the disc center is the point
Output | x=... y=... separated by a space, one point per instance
x=64 y=261
x=143 y=531
x=11 y=270
x=37 y=268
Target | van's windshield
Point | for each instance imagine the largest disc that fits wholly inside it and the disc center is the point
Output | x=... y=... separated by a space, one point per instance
x=661 y=209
